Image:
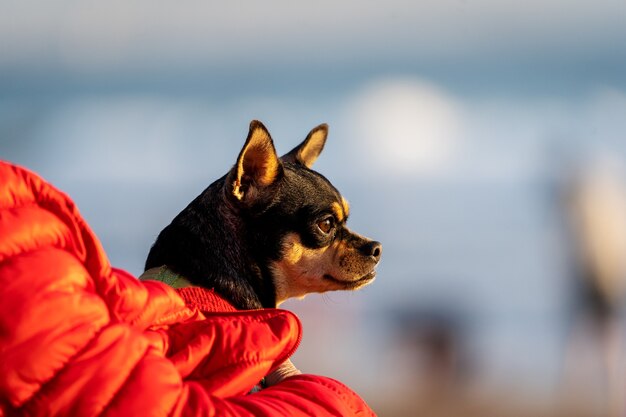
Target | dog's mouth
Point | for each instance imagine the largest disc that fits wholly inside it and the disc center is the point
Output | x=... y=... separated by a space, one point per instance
x=364 y=280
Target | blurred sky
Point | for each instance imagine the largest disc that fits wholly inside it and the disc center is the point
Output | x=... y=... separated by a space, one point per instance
x=484 y=47
x=450 y=125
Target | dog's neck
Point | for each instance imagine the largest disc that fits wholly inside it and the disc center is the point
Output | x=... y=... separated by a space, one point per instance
x=205 y=300
x=204 y=244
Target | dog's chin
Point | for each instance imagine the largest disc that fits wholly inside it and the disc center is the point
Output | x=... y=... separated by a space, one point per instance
x=352 y=284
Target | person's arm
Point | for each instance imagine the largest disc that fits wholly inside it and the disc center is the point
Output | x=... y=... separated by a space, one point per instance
x=79 y=339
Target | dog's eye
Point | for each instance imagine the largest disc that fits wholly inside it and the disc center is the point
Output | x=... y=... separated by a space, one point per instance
x=326 y=225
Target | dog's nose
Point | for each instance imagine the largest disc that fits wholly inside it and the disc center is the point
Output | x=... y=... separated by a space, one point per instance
x=373 y=249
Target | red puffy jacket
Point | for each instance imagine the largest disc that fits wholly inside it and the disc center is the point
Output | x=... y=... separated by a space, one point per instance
x=78 y=338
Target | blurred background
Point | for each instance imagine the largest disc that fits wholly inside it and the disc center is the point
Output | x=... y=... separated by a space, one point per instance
x=481 y=141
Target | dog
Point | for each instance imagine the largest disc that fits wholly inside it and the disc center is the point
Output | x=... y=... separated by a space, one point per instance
x=269 y=230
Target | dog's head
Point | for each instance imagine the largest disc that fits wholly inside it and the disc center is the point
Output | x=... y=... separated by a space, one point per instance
x=295 y=219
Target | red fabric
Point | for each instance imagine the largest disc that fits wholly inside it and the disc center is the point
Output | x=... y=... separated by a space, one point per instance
x=205 y=300
x=78 y=338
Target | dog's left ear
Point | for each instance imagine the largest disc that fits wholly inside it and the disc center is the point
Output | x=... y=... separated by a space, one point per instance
x=258 y=165
x=307 y=152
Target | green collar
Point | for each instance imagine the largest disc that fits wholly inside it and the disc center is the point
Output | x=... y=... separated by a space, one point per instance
x=166 y=275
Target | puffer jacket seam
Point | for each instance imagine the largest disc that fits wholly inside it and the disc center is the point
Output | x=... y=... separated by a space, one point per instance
x=234 y=364
x=21 y=205
x=172 y=316
x=56 y=245
x=116 y=392
x=304 y=408
x=341 y=393
x=70 y=359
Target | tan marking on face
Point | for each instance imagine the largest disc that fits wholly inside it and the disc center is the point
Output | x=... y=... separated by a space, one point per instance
x=338 y=211
x=303 y=270
x=345 y=206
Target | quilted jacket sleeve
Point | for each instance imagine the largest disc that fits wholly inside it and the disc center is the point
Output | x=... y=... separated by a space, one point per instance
x=78 y=338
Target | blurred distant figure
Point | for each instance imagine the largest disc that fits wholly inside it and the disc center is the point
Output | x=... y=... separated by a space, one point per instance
x=596 y=214
x=429 y=356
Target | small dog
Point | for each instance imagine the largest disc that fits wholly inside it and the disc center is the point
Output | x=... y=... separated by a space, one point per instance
x=269 y=230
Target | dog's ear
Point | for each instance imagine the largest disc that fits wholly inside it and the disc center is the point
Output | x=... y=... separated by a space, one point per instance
x=307 y=152
x=257 y=166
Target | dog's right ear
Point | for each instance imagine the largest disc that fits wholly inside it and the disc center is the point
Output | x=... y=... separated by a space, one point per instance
x=307 y=152
x=257 y=166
